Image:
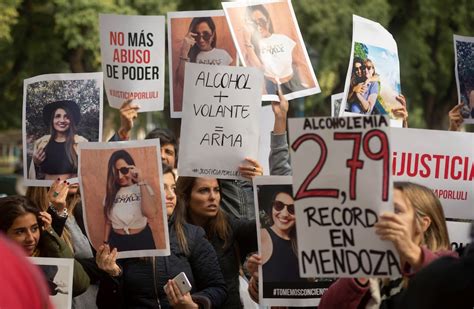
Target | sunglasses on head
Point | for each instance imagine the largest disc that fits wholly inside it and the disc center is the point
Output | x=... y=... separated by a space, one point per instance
x=280 y=205
x=206 y=36
x=259 y=22
x=124 y=170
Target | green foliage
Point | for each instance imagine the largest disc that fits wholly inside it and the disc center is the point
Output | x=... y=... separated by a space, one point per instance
x=360 y=50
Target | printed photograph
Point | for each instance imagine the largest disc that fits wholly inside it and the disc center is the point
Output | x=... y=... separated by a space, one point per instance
x=60 y=111
x=268 y=37
x=375 y=81
x=464 y=56
x=198 y=37
x=122 y=197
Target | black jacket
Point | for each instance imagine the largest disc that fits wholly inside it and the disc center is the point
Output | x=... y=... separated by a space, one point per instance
x=142 y=280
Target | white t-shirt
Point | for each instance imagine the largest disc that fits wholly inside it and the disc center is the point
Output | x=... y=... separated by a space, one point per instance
x=276 y=55
x=126 y=210
x=214 y=56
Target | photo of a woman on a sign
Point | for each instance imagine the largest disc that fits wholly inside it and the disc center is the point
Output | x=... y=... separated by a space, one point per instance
x=268 y=38
x=60 y=111
x=197 y=37
x=122 y=197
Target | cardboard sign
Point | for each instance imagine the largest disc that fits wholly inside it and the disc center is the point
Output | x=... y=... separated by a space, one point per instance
x=58 y=273
x=373 y=76
x=341 y=182
x=464 y=69
x=440 y=160
x=279 y=282
x=198 y=37
x=267 y=36
x=123 y=197
x=220 y=125
x=59 y=110
x=133 y=59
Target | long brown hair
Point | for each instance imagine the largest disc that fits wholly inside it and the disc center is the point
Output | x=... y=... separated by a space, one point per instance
x=218 y=225
x=70 y=133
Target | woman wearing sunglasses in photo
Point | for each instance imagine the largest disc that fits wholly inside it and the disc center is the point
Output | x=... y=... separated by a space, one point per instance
x=199 y=46
x=129 y=205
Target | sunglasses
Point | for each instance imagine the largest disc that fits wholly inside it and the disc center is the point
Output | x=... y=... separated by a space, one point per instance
x=361 y=68
x=125 y=170
x=368 y=67
x=278 y=206
x=206 y=36
x=259 y=22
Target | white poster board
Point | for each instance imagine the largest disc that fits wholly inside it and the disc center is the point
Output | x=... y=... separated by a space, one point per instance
x=464 y=69
x=459 y=234
x=133 y=59
x=267 y=36
x=58 y=273
x=373 y=76
x=341 y=183
x=220 y=125
x=336 y=102
x=59 y=109
x=440 y=160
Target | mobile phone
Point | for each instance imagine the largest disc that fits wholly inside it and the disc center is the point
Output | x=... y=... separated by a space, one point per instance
x=182 y=282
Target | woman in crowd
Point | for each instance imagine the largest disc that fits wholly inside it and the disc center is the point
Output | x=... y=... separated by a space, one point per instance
x=231 y=238
x=278 y=66
x=23 y=223
x=418 y=231
x=140 y=282
x=199 y=46
x=128 y=190
x=55 y=154
x=367 y=94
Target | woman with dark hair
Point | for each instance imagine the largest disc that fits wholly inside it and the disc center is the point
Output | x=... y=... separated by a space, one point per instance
x=231 y=238
x=129 y=205
x=55 y=154
x=22 y=222
x=199 y=46
x=273 y=53
x=367 y=98
x=141 y=281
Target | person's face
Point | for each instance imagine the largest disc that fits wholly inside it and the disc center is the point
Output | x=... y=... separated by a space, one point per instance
x=124 y=173
x=369 y=69
x=170 y=193
x=260 y=23
x=205 y=198
x=73 y=189
x=25 y=231
x=283 y=212
x=406 y=213
x=61 y=120
x=358 y=69
x=168 y=155
x=204 y=37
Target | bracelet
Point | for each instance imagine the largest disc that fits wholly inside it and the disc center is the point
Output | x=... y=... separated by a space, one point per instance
x=248 y=45
x=184 y=58
x=62 y=214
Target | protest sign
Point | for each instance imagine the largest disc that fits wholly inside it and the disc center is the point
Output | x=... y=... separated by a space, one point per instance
x=280 y=283
x=336 y=100
x=220 y=125
x=58 y=273
x=267 y=121
x=267 y=36
x=459 y=234
x=123 y=197
x=59 y=110
x=373 y=77
x=133 y=59
x=464 y=69
x=338 y=200
x=445 y=166
x=198 y=37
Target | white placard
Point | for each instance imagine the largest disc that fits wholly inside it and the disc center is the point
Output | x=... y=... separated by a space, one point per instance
x=220 y=125
x=464 y=69
x=59 y=109
x=124 y=180
x=459 y=234
x=58 y=273
x=336 y=102
x=133 y=59
x=267 y=36
x=280 y=283
x=198 y=37
x=341 y=182
x=440 y=160
x=373 y=76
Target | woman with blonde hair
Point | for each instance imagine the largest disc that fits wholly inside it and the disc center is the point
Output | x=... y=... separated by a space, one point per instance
x=417 y=228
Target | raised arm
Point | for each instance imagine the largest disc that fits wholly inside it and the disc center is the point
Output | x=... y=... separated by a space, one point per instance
x=279 y=152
